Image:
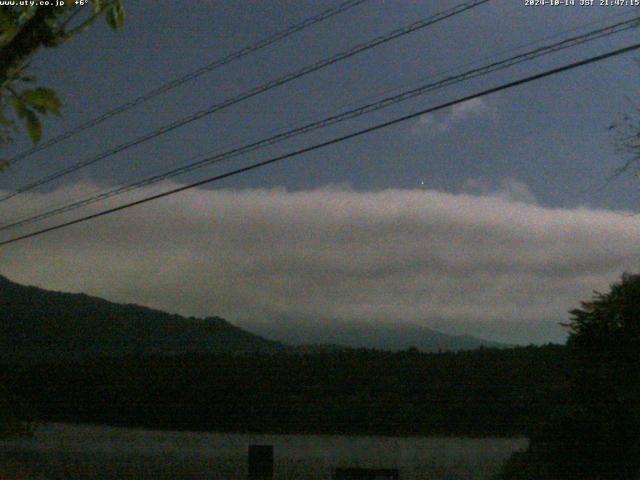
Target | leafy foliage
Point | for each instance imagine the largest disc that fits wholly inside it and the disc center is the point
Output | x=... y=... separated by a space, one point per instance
x=24 y=29
x=30 y=103
x=605 y=341
x=599 y=436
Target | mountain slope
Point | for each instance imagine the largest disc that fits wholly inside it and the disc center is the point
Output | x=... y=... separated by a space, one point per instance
x=41 y=325
x=381 y=336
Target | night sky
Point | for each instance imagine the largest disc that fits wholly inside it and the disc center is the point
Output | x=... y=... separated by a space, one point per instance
x=492 y=218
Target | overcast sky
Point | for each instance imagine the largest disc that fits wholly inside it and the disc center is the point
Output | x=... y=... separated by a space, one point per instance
x=488 y=218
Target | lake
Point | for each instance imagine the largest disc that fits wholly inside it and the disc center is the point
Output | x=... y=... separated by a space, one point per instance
x=69 y=452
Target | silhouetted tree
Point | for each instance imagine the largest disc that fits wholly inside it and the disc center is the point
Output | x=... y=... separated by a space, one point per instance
x=626 y=130
x=598 y=436
x=605 y=344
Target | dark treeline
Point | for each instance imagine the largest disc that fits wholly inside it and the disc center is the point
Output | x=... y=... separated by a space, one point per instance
x=481 y=392
x=597 y=435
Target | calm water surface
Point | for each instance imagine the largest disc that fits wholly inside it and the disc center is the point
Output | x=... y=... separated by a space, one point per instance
x=71 y=452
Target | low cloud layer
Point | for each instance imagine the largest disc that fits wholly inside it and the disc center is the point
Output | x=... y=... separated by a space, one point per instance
x=419 y=256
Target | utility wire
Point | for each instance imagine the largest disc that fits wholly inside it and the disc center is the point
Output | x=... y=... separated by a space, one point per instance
x=333 y=141
x=237 y=55
x=338 y=118
x=438 y=17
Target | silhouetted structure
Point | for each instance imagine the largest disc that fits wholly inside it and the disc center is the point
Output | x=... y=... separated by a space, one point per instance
x=366 y=474
x=260 y=462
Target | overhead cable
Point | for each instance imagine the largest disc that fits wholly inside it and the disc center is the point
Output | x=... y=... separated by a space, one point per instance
x=333 y=141
x=338 y=118
x=438 y=17
x=176 y=82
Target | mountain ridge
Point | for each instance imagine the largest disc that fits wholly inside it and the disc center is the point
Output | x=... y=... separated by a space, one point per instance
x=88 y=326
x=359 y=334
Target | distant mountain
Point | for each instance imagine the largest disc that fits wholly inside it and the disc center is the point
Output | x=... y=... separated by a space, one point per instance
x=382 y=336
x=41 y=325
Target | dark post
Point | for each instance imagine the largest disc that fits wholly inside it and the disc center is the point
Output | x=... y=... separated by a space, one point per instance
x=366 y=474
x=260 y=462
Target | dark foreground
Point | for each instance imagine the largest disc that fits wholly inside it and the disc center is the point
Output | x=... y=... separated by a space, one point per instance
x=477 y=393
x=60 y=451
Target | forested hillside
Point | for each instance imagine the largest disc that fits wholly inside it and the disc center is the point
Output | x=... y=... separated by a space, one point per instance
x=482 y=392
x=40 y=325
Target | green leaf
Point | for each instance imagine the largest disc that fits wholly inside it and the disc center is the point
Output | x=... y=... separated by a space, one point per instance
x=27 y=14
x=19 y=107
x=8 y=28
x=39 y=109
x=115 y=15
x=43 y=100
x=34 y=127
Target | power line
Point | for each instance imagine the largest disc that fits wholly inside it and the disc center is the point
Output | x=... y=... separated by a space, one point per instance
x=333 y=141
x=606 y=31
x=176 y=82
x=438 y=17
x=350 y=114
